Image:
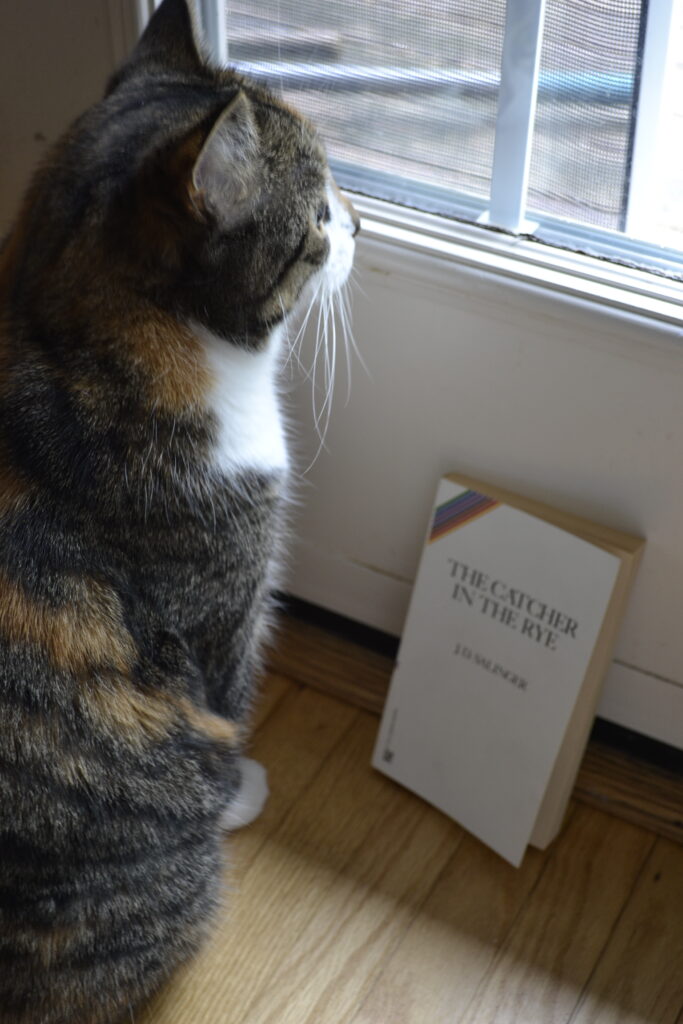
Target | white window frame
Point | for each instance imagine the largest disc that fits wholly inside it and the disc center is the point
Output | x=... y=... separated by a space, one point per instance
x=655 y=62
x=571 y=274
x=516 y=110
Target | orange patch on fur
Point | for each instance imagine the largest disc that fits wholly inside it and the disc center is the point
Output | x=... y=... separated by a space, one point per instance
x=88 y=639
x=171 y=361
x=214 y=727
x=126 y=712
x=80 y=635
x=53 y=946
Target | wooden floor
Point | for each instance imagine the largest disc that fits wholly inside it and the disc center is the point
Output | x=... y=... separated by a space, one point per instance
x=350 y=901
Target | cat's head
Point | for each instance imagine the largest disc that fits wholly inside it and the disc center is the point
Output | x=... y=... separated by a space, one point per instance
x=210 y=196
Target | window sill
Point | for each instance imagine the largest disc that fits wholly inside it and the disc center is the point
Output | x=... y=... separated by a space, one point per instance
x=636 y=293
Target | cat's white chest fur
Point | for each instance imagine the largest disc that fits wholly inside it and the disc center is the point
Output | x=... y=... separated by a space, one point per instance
x=244 y=400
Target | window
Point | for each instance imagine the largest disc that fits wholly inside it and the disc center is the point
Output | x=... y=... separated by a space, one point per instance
x=555 y=119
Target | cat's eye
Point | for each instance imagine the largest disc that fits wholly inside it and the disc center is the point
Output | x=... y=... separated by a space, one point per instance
x=323 y=215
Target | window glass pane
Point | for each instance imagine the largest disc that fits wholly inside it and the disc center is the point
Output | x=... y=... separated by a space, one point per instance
x=582 y=137
x=408 y=89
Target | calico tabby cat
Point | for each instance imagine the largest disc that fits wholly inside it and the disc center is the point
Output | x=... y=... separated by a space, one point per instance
x=144 y=292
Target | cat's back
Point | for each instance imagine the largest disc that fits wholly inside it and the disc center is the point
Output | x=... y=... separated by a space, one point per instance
x=113 y=770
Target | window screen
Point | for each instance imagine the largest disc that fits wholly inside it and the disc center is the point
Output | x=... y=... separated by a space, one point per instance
x=586 y=94
x=409 y=90
x=408 y=97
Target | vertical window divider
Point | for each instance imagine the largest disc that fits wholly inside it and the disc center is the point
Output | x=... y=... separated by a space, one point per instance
x=658 y=16
x=516 y=113
x=214 y=23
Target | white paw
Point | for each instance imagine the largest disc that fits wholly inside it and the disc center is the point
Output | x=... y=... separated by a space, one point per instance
x=250 y=798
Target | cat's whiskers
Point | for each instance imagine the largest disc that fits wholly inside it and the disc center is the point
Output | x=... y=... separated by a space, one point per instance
x=298 y=341
x=343 y=313
x=315 y=304
x=326 y=337
x=284 y=321
x=355 y=280
x=319 y=339
x=325 y=344
x=345 y=301
x=295 y=345
x=331 y=361
x=328 y=346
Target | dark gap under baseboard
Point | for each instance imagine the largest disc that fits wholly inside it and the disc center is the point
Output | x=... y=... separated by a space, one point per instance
x=356 y=632
x=644 y=748
x=627 y=741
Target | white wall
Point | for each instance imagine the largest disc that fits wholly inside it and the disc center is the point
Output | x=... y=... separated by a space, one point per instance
x=565 y=402
x=55 y=58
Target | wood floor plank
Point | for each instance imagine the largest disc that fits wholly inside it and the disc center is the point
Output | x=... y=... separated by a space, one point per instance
x=358 y=920
x=293 y=743
x=318 y=841
x=632 y=789
x=434 y=973
x=324 y=862
x=554 y=944
x=640 y=975
x=354 y=902
x=343 y=873
x=608 y=779
x=271 y=692
x=319 y=658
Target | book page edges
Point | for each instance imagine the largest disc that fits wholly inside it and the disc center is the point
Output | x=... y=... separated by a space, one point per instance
x=615 y=541
x=628 y=549
x=558 y=792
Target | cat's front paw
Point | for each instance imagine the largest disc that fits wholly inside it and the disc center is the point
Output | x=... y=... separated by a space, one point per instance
x=250 y=798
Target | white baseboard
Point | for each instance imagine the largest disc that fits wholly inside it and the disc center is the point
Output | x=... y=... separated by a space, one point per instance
x=334 y=581
x=631 y=697
x=638 y=700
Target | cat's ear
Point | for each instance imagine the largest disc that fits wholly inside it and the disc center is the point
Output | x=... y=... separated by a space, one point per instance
x=172 y=41
x=173 y=36
x=225 y=174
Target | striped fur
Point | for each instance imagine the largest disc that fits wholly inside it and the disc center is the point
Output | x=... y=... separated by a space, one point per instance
x=185 y=211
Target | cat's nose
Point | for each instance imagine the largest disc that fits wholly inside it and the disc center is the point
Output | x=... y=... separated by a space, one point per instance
x=351 y=210
x=353 y=216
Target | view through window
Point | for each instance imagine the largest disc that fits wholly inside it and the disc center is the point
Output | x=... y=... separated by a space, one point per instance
x=406 y=94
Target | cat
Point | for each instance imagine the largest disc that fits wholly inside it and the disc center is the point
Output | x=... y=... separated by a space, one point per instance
x=145 y=290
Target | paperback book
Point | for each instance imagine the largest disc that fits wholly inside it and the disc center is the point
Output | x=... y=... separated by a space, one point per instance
x=510 y=630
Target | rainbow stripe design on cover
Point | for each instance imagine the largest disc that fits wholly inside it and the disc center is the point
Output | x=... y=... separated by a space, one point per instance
x=460 y=510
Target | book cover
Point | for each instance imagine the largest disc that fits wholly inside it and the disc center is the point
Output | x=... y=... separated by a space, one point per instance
x=504 y=620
